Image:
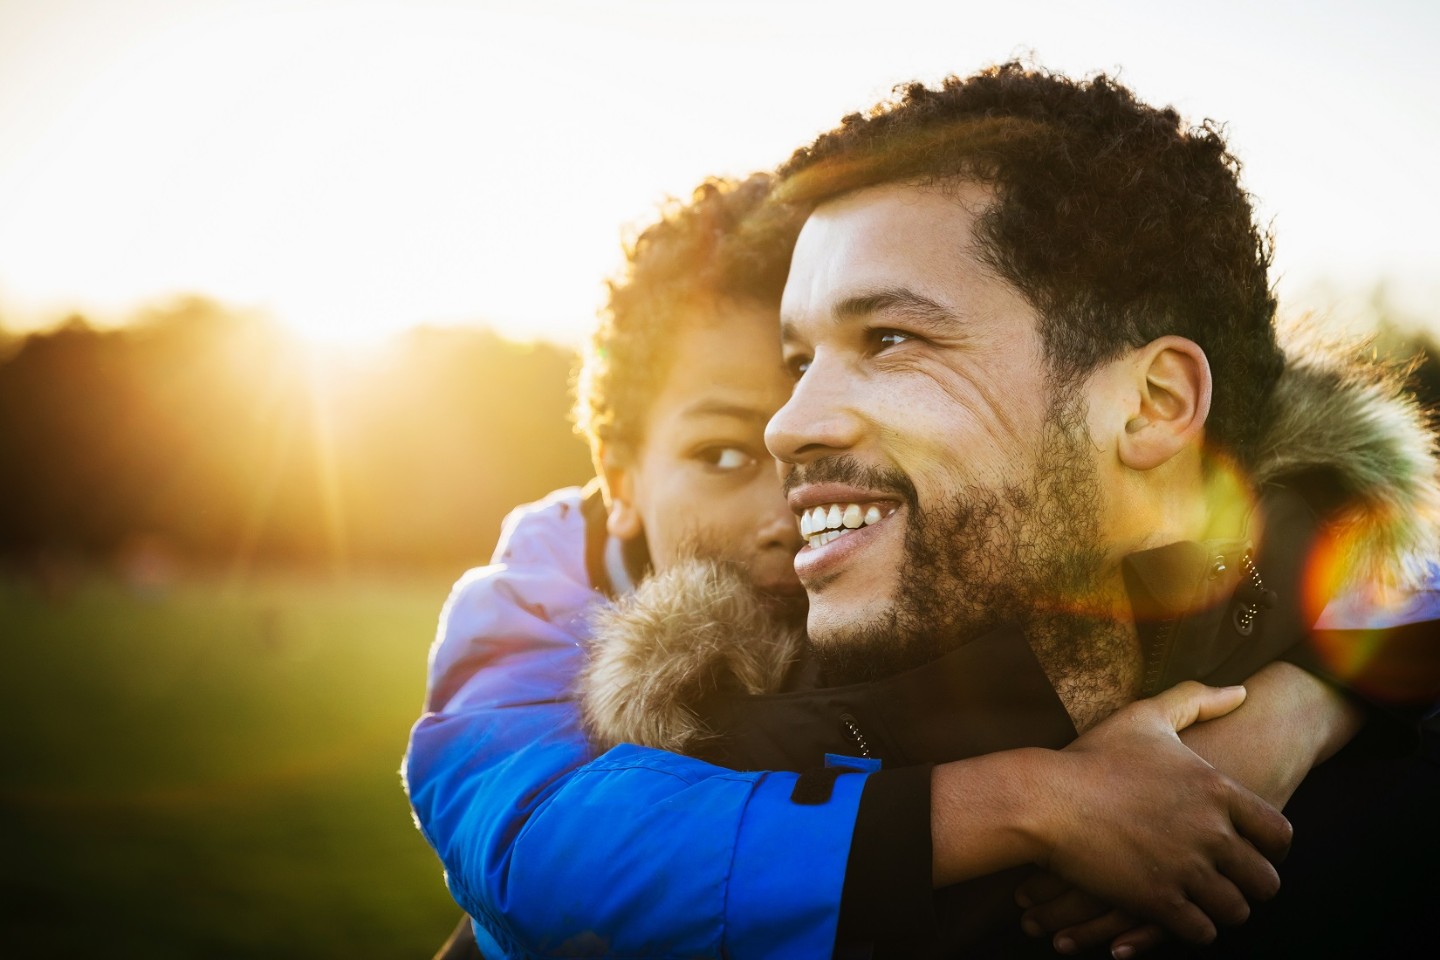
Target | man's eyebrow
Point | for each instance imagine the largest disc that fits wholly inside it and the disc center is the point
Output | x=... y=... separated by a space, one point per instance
x=908 y=304
x=899 y=302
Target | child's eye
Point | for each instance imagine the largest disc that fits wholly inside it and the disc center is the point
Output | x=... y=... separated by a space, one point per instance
x=797 y=365
x=726 y=458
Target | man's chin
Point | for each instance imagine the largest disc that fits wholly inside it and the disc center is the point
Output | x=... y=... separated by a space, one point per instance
x=835 y=617
x=867 y=642
x=786 y=603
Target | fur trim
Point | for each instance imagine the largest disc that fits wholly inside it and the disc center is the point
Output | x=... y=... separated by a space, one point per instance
x=1347 y=413
x=693 y=631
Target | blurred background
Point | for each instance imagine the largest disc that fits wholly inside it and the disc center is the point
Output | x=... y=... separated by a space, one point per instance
x=289 y=296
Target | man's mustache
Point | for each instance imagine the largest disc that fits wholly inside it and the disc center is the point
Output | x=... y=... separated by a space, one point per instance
x=851 y=472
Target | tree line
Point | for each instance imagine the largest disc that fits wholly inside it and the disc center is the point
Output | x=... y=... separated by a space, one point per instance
x=211 y=438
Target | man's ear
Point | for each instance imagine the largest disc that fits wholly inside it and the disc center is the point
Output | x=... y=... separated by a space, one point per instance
x=1172 y=378
x=622 y=519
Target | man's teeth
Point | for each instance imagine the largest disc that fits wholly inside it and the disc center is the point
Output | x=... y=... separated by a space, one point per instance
x=820 y=525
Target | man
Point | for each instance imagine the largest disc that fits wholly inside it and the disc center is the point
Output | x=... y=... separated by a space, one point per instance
x=1039 y=395
x=501 y=726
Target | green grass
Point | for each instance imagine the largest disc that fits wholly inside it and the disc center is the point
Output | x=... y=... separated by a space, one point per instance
x=214 y=773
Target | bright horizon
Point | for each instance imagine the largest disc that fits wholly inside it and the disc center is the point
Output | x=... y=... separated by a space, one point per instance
x=353 y=169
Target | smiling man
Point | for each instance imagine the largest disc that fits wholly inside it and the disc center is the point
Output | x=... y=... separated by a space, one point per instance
x=1039 y=392
x=926 y=400
x=910 y=351
x=1048 y=455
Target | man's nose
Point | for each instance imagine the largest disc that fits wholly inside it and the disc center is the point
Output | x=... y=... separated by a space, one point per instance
x=818 y=420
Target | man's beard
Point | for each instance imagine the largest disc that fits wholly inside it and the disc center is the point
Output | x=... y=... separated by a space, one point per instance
x=1027 y=554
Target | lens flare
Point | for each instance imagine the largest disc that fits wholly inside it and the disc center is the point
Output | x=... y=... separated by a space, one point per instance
x=1362 y=634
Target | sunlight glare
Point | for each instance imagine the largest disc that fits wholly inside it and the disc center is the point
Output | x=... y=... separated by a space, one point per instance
x=358 y=168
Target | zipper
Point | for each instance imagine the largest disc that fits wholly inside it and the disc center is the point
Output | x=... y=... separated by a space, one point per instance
x=852 y=731
x=1252 y=595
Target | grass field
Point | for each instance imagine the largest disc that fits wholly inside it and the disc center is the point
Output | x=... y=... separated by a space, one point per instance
x=213 y=773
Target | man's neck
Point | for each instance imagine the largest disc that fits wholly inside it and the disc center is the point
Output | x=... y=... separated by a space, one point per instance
x=1094 y=687
x=1092 y=658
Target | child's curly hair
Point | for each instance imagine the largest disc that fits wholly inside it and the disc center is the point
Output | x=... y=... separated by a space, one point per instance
x=726 y=247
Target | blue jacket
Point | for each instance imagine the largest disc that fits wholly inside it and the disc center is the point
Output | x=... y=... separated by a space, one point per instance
x=556 y=852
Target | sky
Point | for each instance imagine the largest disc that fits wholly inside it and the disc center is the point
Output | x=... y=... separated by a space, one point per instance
x=354 y=167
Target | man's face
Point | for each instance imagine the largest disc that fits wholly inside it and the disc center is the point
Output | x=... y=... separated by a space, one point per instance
x=923 y=412
x=702 y=482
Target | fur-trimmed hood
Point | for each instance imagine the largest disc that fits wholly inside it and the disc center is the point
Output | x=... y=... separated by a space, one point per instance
x=700 y=630
x=1355 y=418
x=696 y=630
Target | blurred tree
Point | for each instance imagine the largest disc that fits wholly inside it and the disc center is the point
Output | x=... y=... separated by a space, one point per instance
x=213 y=432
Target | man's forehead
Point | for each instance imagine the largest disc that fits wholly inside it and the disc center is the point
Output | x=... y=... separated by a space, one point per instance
x=890 y=237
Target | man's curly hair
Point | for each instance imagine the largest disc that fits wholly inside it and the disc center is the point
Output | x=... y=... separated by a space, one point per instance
x=726 y=248
x=1117 y=222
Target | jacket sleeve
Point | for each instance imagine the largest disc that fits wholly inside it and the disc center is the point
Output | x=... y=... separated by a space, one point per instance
x=637 y=853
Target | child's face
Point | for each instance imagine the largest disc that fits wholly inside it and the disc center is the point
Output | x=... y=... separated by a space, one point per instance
x=702 y=481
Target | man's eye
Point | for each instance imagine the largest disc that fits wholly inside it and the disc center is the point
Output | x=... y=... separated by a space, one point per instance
x=884 y=339
x=726 y=458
